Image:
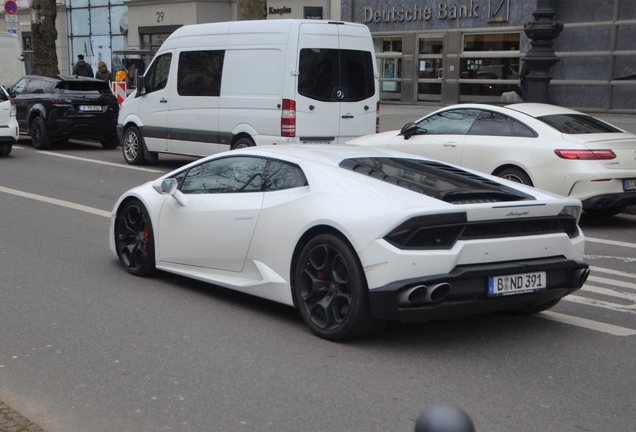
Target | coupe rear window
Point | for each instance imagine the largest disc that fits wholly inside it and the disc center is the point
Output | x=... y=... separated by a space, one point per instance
x=83 y=86
x=435 y=179
x=577 y=124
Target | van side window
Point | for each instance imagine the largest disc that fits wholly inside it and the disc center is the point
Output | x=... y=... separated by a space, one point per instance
x=157 y=75
x=200 y=73
x=332 y=75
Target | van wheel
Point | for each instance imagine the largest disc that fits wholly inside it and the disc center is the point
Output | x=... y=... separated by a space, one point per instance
x=39 y=137
x=244 y=142
x=133 y=147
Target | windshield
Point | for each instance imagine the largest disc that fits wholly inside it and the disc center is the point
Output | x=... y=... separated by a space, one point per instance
x=578 y=124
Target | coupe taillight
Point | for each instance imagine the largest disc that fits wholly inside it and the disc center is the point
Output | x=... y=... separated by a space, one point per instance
x=288 y=119
x=585 y=154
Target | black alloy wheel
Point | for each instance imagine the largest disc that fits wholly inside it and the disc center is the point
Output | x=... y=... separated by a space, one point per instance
x=110 y=142
x=331 y=290
x=133 y=147
x=39 y=137
x=516 y=175
x=5 y=149
x=134 y=239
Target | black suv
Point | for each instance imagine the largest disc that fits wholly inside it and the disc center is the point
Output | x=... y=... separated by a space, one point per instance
x=53 y=109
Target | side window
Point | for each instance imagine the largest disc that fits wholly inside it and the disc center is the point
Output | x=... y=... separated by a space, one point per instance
x=227 y=175
x=19 y=87
x=200 y=73
x=452 y=122
x=48 y=87
x=157 y=75
x=280 y=175
x=521 y=130
x=35 y=86
x=491 y=123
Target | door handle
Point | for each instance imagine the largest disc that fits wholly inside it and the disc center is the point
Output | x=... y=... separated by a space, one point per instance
x=163 y=100
x=450 y=144
x=347 y=116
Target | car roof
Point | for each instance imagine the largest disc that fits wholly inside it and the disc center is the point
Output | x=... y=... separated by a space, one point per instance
x=57 y=78
x=529 y=108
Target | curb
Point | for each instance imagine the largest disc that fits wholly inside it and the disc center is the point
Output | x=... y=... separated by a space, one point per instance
x=12 y=421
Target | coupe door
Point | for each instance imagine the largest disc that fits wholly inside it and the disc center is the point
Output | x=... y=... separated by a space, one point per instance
x=215 y=227
x=440 y=136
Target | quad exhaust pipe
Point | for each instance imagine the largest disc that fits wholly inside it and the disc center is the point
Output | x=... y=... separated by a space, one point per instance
x=425 y=293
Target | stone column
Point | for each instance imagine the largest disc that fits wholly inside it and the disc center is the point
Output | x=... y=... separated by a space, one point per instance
x=540 y=57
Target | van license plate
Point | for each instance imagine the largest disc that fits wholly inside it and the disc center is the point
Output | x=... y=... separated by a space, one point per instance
x=90 y=108
x=629 y=184
x=516 y=284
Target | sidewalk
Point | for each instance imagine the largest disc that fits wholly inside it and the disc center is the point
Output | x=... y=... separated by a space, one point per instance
x=12 y=421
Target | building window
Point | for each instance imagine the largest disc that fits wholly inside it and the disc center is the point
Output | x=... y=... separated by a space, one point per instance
x=389 y=57
x=430 y=68
x=489 y=66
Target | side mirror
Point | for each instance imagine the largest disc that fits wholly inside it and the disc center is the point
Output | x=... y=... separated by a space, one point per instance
x=141 y=86
x=169 y=187
x=408 y=130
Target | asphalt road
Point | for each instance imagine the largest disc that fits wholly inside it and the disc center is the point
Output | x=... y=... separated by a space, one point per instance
x=84 y=346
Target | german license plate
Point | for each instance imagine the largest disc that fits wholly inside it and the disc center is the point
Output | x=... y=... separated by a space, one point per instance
x=516 y=284
x=629 y=184
x=90 y=108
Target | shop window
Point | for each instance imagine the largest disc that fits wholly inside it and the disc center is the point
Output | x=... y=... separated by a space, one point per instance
x=389 y=57
x=492 y=42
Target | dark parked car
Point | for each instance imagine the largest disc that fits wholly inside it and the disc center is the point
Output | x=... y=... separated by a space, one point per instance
x=53 y=109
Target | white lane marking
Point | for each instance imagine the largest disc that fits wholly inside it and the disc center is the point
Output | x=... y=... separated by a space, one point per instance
x=99 y=162
x=615 y=282
x=626 y=260
x=610 y=242
x=613 y=272
x=588 y=324
x=631 y=309
x=610 y=293
x=18 y=147
x=58 y=202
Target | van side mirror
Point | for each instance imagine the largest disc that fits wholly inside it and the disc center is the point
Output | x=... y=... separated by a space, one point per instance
x=408 y=130
x=141 y=86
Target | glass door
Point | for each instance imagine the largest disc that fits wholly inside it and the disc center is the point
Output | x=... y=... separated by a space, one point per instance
x=430 y=68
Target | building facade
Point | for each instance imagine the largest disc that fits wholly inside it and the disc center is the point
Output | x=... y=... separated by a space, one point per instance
x=429 y=51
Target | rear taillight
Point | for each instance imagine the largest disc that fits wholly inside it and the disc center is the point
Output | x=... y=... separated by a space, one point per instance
x=12 y=110
x=61 y=101
x=288 y=119
x=377 y=118
x=585 y=154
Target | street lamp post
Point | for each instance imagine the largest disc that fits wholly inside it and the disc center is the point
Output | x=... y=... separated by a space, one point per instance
x=540 y=57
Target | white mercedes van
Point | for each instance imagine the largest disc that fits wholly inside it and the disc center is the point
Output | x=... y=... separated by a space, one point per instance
x=11 y=63
x=221 y=86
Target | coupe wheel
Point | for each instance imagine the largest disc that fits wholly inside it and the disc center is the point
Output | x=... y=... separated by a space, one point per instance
x=110 y=142
x=243 y=143
x=134 y=239
x=133 y=147
x=515 y=175
x=5 y=149
x=331 y=290
x=39 y=137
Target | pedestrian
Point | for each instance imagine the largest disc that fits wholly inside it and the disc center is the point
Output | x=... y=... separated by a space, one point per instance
x=523 y=82
x=82 y=68
x=103 y=73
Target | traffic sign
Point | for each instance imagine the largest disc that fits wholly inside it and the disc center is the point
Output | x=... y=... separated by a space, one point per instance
x=119 y=89
x=14 y=32
x=11 y=7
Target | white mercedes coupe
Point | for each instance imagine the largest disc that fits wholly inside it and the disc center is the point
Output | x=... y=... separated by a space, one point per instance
x=549 y=147
x=354 y=236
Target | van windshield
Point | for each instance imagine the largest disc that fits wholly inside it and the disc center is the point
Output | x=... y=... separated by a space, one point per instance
x=332 y=75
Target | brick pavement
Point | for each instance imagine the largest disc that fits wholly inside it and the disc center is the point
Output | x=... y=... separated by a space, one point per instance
x=12 y=421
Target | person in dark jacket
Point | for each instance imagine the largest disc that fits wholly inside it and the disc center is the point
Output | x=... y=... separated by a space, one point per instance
x=523 y=82
x=103 y=73
x=82 y=68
